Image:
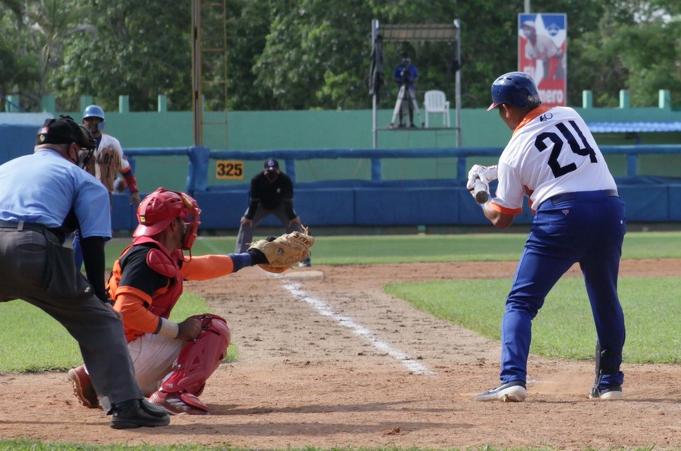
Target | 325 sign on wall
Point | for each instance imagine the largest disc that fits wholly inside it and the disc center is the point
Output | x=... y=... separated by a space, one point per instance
x=229 y=170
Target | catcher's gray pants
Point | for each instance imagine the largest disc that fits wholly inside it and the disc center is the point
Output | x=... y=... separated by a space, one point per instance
x=245 y=236
x=31 y=270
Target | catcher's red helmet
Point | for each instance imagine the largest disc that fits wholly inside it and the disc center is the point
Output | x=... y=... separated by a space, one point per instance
x=161 y=207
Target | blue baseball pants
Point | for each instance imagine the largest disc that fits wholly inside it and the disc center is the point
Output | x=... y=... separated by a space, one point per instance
x=585 y=227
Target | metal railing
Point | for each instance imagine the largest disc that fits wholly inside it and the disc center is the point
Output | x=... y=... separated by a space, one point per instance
x=200 y=157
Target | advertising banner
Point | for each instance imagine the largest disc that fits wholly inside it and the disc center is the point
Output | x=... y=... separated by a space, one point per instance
x=542 y=53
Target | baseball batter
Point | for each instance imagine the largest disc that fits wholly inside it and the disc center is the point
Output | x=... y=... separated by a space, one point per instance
x=554 y=160
x=172 y=361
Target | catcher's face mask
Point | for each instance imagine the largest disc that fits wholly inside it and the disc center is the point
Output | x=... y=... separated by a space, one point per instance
x=191 y=216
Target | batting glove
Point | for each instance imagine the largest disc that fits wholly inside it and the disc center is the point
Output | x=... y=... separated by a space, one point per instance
x=485 y=174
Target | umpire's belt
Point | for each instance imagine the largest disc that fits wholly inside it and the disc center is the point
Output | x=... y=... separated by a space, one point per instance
x=583 y=195
x=21 y=225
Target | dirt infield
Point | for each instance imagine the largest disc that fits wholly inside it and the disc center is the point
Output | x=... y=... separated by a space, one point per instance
x=327 y=359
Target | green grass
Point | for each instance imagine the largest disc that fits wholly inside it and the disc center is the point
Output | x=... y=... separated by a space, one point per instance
x=33 y=341
x=345 y=250
x=564 y=326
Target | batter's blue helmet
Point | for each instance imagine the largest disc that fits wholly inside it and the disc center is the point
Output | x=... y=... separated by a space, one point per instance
x=514 y=88
x=95 y=111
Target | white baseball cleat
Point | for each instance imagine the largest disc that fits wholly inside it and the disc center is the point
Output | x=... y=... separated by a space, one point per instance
x=606 y=393
x=513 y=391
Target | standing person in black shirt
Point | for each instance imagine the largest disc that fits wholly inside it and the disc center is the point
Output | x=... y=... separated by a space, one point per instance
x=271 y=193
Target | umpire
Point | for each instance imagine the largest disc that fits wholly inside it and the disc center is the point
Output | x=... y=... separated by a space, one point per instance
x=271 y=193
x=44 y=197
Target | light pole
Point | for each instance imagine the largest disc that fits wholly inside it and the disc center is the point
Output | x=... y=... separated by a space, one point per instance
x=457 y=83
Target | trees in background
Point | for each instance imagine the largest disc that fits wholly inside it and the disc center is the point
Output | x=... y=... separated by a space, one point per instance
x=70 y=48
x=300 y=54
x=633 y=45
x=130 y=47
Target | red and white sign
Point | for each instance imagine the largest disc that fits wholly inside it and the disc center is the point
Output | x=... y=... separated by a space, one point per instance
x=542 y=53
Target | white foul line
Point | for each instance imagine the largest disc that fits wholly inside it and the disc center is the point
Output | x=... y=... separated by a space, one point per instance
x=324 y=309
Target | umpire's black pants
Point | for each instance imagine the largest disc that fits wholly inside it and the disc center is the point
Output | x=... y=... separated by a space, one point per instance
x=97 y=328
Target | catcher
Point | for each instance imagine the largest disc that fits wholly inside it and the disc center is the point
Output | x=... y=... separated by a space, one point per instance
x=172 y=360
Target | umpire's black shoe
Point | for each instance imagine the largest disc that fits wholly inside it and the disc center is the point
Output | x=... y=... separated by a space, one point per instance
x=608 y=393
x=513 y=391
x=136 y=413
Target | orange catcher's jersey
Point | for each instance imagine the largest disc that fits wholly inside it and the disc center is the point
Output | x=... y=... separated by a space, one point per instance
x=551 y=152
x=145 y=291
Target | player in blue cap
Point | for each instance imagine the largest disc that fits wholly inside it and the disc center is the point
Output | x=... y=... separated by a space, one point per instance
x=553 y=159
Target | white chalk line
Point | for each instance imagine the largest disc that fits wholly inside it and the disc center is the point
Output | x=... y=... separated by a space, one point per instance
x=325 y=310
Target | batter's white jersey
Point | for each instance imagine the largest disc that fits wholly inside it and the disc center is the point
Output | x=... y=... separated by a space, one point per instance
x=551 y=152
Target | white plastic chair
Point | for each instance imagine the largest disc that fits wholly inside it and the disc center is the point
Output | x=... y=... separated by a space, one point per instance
x=435 y=101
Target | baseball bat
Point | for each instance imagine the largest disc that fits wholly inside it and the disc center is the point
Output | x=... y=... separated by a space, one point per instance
x=480 y=192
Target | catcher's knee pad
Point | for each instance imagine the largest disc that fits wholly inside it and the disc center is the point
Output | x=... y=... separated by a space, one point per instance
x=198 y=359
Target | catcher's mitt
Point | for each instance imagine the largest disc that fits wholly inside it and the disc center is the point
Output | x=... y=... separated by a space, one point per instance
x=285 y=251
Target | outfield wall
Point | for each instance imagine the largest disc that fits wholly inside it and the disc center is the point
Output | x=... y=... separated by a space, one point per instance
x=261 y=130
x=380 y=201
x=341 y=191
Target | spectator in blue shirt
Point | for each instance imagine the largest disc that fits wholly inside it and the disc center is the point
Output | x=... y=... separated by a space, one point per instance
x=406 y=75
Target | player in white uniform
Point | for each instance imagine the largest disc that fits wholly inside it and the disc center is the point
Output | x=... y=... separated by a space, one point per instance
x=579 y=218
x=105 y=164
x=109 y=160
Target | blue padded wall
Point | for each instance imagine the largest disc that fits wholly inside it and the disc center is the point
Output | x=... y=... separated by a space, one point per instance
x=16 y=140
x=123 y=214
x=414 y=206
x=325 y=206
x=647 y=203
x=221 y=209
x=674 y=204
x=397 y=206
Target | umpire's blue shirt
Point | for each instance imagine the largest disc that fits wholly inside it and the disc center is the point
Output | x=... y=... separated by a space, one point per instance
x=43 y=187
